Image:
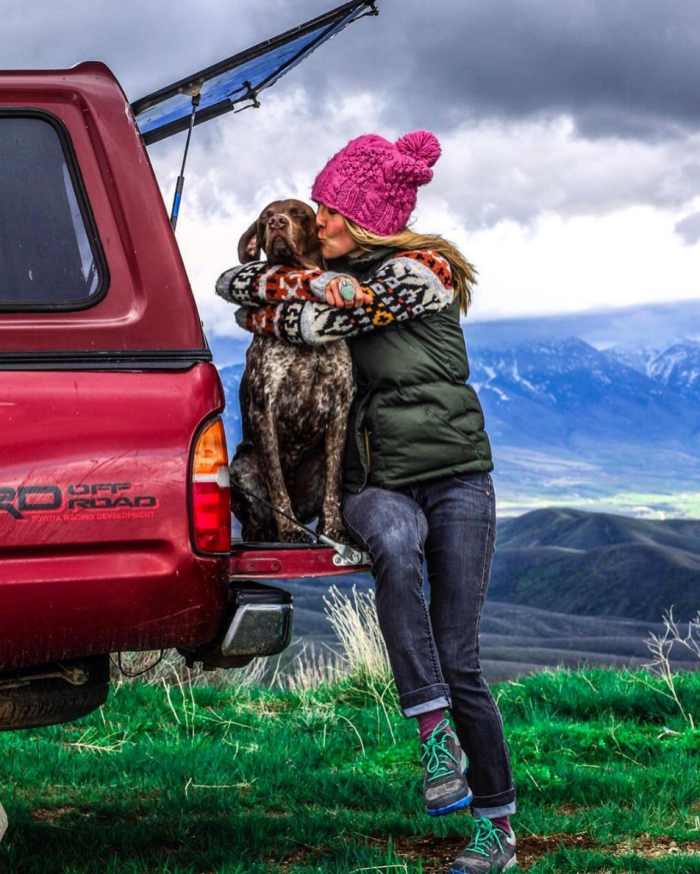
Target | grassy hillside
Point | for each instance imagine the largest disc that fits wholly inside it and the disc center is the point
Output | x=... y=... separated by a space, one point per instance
x=578 y=530
x=598 y=564
x=196 y=780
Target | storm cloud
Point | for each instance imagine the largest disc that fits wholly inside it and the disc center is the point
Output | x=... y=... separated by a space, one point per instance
x=628 y=67
x=570 y=130
x=617 y=67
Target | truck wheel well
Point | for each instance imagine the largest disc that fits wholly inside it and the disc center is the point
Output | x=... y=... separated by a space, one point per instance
x=53 y=693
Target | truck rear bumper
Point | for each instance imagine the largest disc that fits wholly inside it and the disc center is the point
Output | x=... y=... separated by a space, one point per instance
x=262 y=621
x=258 y=621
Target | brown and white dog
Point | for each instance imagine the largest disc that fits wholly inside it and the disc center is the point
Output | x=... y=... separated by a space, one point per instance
x=294 y=404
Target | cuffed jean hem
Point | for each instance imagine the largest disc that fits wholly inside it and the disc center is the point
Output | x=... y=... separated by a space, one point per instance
x=436 y=704
x=490 y=812
x=435 y=697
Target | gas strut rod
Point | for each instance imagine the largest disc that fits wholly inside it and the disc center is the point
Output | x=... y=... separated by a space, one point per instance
x=181 y=178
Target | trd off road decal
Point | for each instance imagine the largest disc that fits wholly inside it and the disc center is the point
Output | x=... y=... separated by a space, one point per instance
x=81 y=502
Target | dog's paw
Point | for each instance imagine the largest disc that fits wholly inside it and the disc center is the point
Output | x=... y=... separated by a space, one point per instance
x=336 y=532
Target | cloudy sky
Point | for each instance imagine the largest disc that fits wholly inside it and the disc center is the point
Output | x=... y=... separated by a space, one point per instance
x=570 y=172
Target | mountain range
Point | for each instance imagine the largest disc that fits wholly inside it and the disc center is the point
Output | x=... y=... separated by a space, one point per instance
x=615 y=429
x=598 y=564
x=566 y=393
x=584 y=564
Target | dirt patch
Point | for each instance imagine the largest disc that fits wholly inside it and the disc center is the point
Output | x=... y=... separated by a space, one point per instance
x=303 y=854
x=51 y=814
x=276 y=814
x=570 y=809
x=434 y=852
x=438 y=851
x=655 y=847
x=533 y=847
x=442 y=851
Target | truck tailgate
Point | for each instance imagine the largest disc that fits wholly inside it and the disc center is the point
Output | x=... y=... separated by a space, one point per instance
x=95 y=545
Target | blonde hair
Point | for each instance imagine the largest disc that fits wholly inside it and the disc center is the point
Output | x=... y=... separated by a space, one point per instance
x=463 y=273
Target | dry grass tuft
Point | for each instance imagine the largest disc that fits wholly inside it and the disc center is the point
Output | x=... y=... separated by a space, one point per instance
x=356 y=625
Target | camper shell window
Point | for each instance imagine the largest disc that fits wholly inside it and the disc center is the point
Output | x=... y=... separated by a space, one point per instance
x=50 y=255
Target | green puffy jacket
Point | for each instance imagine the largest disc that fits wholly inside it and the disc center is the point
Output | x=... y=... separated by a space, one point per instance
x=414 y=417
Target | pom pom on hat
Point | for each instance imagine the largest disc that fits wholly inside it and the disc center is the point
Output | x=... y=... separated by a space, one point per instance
x=420 y=144
x=374 y=182
x=415 y=155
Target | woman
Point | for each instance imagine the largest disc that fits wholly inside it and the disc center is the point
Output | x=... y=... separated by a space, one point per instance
x=417 y=462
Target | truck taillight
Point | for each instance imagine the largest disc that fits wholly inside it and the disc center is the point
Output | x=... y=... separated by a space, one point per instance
x=211 y=491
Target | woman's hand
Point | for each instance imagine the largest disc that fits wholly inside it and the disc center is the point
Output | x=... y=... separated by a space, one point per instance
x=335 y=298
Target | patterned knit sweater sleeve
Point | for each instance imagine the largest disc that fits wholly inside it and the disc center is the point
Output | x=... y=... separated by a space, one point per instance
x=258 y=283
x=408 y=286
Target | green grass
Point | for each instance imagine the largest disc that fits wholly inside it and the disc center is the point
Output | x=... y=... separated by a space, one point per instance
x=220 y=780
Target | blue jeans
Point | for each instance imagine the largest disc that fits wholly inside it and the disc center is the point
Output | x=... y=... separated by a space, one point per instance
x=434 y=652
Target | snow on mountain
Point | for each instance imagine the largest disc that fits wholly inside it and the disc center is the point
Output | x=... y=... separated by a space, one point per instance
x=566 y=396
x=678 y=368
x=638 y=356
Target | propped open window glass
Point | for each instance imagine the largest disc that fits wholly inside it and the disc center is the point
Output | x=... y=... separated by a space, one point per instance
x=49 y=252
x=238 y=80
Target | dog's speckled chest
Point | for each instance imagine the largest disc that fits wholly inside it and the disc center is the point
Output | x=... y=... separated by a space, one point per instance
x=302 y=385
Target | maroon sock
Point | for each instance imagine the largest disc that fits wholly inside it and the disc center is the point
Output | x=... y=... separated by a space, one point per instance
x=428 y=721
x=502 y=822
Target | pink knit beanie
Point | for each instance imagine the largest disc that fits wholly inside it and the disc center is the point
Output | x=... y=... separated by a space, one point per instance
x=374 y=182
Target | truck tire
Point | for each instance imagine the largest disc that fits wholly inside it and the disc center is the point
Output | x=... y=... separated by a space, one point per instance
x=29 y=699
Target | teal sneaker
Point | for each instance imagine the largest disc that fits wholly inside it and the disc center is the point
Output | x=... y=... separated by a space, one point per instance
x=490 y=850
x=445 y=787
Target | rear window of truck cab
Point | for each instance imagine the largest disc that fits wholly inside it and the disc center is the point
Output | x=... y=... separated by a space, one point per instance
x=50 y=255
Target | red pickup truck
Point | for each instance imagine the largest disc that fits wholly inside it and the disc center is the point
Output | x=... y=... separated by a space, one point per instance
x=115 y=525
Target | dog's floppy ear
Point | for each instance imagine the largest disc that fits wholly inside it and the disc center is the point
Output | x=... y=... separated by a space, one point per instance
x=249 y=245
